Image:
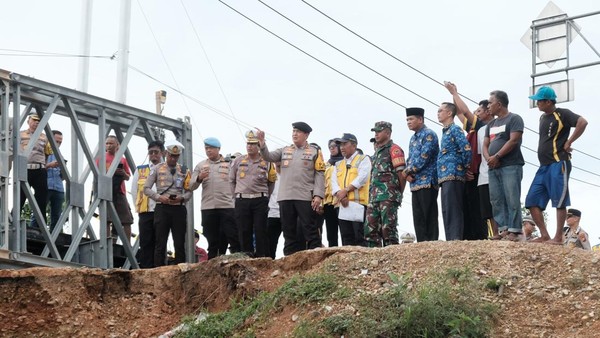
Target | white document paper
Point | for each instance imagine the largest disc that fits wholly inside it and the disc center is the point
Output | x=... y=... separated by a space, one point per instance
x=354 y=212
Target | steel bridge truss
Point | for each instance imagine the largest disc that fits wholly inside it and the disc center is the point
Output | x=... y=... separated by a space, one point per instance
x=86 y=248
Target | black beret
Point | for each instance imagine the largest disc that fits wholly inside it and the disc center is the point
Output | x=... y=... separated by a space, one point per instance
x=302 y=126
x=415 y=111
x=574 y=212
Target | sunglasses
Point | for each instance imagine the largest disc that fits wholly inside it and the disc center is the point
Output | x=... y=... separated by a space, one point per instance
x=153 y=152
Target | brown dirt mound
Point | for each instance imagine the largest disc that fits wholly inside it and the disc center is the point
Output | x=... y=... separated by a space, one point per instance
x=551 y=291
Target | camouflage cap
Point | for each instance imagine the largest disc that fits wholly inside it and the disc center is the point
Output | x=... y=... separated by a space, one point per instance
x=381 y=125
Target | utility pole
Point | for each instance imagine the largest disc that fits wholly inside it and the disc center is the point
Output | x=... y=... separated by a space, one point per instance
x=123 y=61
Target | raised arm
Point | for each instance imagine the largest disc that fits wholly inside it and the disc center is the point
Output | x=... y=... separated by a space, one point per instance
x=462 y=111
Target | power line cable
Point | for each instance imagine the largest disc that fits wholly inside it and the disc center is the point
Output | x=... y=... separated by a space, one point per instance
x=22 y=52
x=576 y=167
x=315 y=58
x=211 y=66
x=346 y=54
x=203 y=104
x=168 y=66
x=327 y=65
x=375 y=71
x=408 y=65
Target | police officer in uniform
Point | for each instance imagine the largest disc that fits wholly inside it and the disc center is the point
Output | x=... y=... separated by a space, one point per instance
x=573 y=235
x=253 y=178
x=218 y=222
x=385 y=190
x=302 y=188
x=170 y=214
x=37 y=177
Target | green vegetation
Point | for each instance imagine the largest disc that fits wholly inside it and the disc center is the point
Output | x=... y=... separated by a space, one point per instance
x=444 y=304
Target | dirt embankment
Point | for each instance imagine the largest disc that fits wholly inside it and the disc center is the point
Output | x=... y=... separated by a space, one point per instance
x=551 y=291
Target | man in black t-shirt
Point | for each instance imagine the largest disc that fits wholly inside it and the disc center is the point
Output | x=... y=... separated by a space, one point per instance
x=551 y=181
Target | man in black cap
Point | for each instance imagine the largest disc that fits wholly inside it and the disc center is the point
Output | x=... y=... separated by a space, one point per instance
x=574 y=236
x=385 y=189
x=37 y=177
x=302 y=187
x=350 y=184
x=421 y=172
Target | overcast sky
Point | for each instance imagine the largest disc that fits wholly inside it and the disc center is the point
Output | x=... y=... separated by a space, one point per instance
x=258 y=80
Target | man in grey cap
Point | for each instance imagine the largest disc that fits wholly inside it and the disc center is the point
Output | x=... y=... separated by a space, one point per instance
x=528 y=228
x=170 y=214
x=350 y=183
x=217 y=206
x=302 y=188
x=385 y=190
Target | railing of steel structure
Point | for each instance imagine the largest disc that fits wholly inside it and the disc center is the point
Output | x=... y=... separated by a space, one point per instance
x=87 y=248
x=568 y=22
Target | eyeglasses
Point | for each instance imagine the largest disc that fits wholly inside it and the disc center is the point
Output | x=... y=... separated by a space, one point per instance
x=153 y=152
x=331 y=146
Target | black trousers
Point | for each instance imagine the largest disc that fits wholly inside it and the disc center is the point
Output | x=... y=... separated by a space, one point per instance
x=274 y=230
x=220 y=230
x=475 y=226
x=147 y=240
x=169 y=218
x=251 y=218
x=353 y=233
x=296 y=216
x=331 y=223
x=425 y=214
x=38 y=180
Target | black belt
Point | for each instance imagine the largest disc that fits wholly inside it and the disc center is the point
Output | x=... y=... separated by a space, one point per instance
x=257 y=195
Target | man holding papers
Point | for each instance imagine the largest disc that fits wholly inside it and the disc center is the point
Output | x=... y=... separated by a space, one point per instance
x=350 y=187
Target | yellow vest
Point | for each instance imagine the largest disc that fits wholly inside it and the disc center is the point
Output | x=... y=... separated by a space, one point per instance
x=328 y=197
x=141 y=200
x=345 y=176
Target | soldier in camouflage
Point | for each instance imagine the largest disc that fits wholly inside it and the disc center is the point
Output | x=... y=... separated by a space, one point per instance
x=385 y=191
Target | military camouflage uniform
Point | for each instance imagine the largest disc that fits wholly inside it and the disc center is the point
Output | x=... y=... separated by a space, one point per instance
x=385 y=196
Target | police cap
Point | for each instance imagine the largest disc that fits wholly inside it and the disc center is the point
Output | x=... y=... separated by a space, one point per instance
x=173 y=147
x=212 y=142
x=302 y=126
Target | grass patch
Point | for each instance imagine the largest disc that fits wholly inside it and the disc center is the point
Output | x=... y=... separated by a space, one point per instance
x=299 y=290
x=443 y=304
x=495 y=284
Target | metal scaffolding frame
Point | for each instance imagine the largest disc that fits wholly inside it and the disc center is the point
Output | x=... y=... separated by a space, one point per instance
x=570 y=26
x=86 y=247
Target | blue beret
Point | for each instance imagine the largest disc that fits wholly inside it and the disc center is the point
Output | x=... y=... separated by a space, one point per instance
x=302 y=126
x=212 y=142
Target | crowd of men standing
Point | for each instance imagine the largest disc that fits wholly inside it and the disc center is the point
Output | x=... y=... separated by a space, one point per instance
x=249 y=200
